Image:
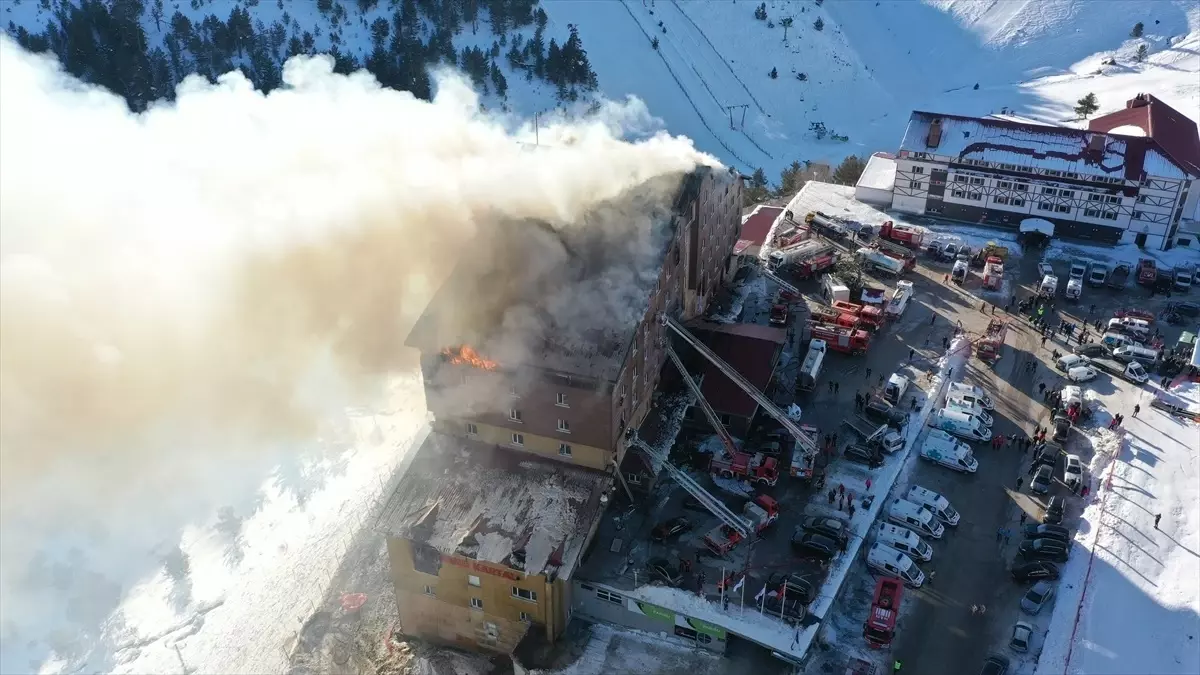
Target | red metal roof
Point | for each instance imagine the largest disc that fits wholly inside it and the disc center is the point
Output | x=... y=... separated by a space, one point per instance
x=758 y=224
x=1170 y=129
x=751 y=350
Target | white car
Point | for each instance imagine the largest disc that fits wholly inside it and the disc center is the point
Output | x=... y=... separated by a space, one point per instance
x=1073 y=472
x=1044 y=269
x=1022 y=637
x=1081 y=374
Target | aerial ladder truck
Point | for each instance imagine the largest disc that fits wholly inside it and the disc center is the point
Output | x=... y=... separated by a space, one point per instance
x=804 y=441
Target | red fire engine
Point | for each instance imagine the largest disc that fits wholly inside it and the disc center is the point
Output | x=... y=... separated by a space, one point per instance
x=758 y=514
x=840 y=339
x=1147 y=272
x=756 y=468
x=826 y=314
x=993 y=273
x=907 y=236
x=880 y=626
x=988 y=347
x=870 y=316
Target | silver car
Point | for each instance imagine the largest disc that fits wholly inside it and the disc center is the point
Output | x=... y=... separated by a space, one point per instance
x=1022 y=637
x=1037 y=597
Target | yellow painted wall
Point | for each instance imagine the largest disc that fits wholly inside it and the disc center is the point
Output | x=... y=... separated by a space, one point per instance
x=543 y=446
x=447 y=616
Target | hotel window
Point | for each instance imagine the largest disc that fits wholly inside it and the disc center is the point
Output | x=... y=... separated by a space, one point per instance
x=918 y=169
x=473 y=580
x=526 y=618
x=1017 y=202
x=1095 y=198
x=976 y=181
x=1049 y=191
x=1045 y=206
x=1109 y=215
x=1137 y=215
x=1062 y=209
x=974 y=195
x=564 y=426
x=429 y=591
x=1092 y=213
x=915 y=184
x=960 y=179
x=1022 y=187
x=609 y=597
x=562 y=401
x=1001 y=200
x=518 y=439
x=1004 y=184
x=472 y=430
x=1066 y=193
x=1142 y=199
x=958 y=194
x=514 y=414
x=633 y=478
x=524 y=594
x=564 y=449
x=476 y=603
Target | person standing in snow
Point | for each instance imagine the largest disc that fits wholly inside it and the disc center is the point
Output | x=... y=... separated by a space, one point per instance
x=1157 y=517
x=1137 y=408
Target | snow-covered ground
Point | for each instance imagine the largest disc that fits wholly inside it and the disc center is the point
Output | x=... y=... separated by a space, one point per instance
x=617 y=650
x=1133 y=604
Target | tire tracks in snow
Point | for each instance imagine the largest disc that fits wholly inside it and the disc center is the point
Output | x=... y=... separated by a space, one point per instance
x=722 y=58
x=684 y=90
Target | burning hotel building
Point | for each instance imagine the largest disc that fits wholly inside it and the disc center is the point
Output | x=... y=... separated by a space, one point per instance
x=537 y=354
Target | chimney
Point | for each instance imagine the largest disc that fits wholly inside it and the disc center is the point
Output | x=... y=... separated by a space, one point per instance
x=1138 y=101
x=935 y=134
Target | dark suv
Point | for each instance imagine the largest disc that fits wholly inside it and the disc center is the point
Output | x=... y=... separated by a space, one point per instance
x=880 y=412
x=797 y=586
x=830 y=527
x=813 y=545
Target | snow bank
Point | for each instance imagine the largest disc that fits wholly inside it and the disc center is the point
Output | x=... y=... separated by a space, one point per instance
x=623 y=650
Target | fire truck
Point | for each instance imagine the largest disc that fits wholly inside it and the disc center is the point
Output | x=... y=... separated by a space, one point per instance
x=841 y=339
x=758 y=516
x=906 y=236
x=809 y=267
x=756 y=468
x=880 y=626
x=993 y=273
x=1147 y=272
x=870 y=316
x=829 y=315
x=989 y=346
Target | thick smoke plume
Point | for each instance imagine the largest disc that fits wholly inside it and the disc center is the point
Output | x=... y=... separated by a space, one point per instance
x=184 y=289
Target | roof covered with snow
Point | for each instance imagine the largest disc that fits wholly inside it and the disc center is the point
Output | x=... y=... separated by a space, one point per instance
x=880 y=173
x=1036 y=146
x=495 y=505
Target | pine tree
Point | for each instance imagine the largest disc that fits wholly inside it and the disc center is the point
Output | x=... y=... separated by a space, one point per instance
x=757 y=189
x=1138 y=30
x=849 y=171
x=1086 y=106
x=786 y=22
x=1141 y=53
x=819 y=24
x=499 y=81
x=379 y=32
x=790 y=180
x=654 y=43
x=774 y=73
x=760 y=12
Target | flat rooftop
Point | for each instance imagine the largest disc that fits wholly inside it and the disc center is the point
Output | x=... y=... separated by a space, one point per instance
x=495 y=505
x=561 y=296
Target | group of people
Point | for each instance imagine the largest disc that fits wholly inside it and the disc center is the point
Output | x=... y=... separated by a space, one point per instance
x=844 y=498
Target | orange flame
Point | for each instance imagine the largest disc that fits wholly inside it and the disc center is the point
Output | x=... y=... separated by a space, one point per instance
x=466 y=356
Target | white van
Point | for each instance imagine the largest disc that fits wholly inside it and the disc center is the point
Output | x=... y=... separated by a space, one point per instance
x=1069 y=361
x=832 y=290
x=960 y=424
x=1130 y=325
x=915 y=517
x=942 y=448
x=1114 y=340
x=960 y=403
x=1130 y=353
x=887 y=560
x=893 y=392
x=904 y=540
x=972 y=393
x=935 y=503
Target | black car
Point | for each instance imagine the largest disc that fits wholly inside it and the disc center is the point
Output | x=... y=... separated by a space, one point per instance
x=1062 y=428
x=813 y=545
x=672 y=528
x=1044 y=549
x=662 y=570
x=881 y=412
x=1034 y=571
x=1041 y=480
x=1092 y=350
x=798 y=587
x=994 y=665
x=1038 y=531
x=864 y=455
x=1054 y=510
x=830 y=527
x=791 y=611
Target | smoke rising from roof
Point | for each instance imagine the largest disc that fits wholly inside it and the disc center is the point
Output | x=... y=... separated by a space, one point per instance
x=186 y=291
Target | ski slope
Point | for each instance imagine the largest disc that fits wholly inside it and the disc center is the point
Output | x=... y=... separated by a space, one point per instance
x=1133 y=604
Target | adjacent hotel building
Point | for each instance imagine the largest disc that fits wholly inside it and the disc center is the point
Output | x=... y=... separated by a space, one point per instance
x=1131 y=176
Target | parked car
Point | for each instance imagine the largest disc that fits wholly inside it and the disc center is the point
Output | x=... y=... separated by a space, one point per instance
x=994 y=665
x=1037 y=597
x=1042 y=530
x=1081 y=374
x=830 y=527
x=1092 y=350
x=1041 y=480
x=878 y=411
x=671 y=528
x=1034 y=571
x=1073 y=473
x=662 y=570
x=1022 y=637
x=1044 y=549
x=813 y=545
x=1045 y=269
x=1054 y=510
x=798 y=586
x=864 y=455
x=1062 y=428
x=1069 y=361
